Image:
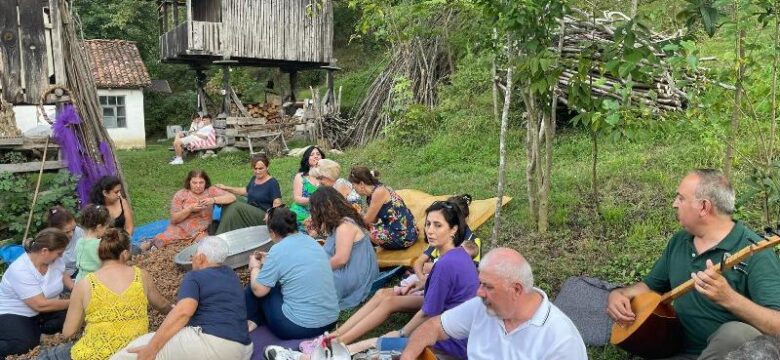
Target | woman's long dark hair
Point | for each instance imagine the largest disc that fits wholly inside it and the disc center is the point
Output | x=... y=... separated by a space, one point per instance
x=106 y=183
x=305 y=159
x=453 y=216
x=328 y=207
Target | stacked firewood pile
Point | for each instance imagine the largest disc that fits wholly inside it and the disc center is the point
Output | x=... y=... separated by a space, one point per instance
x=422 y=61
x=271 y=112
x=582 y=30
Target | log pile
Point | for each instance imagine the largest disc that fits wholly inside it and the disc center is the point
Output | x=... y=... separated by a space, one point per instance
x=271 y=112
x=581 y=30
x=263 y=118
x=422 y=61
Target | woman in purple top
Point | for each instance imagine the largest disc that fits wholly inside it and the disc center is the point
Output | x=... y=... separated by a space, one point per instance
x=452 y=281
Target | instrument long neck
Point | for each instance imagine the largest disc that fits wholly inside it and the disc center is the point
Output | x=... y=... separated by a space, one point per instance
x=727 y=263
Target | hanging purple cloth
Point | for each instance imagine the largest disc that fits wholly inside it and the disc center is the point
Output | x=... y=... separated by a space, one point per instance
x=74 y=151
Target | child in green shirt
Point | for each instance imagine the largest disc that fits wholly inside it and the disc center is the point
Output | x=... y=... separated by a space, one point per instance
x=95 y=220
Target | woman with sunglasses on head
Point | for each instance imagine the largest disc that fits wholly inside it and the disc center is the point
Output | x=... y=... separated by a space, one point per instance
x=348 y=245
x=304 y=184
x=452 y=281
x=390 y=221
x=262 y=192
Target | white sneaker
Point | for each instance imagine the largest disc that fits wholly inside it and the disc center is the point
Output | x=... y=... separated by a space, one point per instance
x=274 y=352
x=177 y=161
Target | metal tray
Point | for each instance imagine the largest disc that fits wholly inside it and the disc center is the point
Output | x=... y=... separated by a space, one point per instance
x=241 y=243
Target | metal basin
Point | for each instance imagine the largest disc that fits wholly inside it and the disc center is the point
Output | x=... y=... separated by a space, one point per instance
x=241 y=243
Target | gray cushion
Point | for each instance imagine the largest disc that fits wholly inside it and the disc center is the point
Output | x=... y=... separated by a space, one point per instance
x=584 y=300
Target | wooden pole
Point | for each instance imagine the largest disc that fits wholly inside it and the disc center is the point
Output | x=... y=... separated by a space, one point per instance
x=37 y=187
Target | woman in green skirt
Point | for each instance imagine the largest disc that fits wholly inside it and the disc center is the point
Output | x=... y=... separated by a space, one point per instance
x=262 y=192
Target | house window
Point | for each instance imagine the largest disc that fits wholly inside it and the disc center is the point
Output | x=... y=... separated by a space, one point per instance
x=113 y=111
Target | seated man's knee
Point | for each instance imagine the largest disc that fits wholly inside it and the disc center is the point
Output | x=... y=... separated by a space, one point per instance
x=727 y=338
x=735 y=331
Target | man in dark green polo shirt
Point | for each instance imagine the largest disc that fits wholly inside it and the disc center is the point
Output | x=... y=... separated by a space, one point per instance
x=724 y=311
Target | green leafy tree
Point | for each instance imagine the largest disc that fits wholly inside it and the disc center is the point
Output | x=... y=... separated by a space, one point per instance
x=525 y=33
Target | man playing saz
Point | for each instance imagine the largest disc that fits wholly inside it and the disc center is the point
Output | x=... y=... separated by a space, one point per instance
x=725 y=310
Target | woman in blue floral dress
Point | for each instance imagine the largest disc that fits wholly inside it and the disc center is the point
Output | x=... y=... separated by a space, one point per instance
x=390 y=221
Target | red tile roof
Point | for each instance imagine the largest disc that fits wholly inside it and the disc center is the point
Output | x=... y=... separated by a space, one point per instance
x=117 y=64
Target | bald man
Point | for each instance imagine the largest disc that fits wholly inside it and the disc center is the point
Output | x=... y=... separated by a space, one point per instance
x=509 y=319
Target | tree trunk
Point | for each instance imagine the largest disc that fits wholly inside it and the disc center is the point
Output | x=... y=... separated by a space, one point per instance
x=546 y=170
x=502 y=158
x=775 y=59
x=593 y=173
x=495 y=84
x=735 y=111
x=634 y=6
x=531 y=149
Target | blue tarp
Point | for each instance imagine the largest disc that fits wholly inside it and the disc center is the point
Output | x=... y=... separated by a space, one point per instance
x=147 y=231
x=9 y=253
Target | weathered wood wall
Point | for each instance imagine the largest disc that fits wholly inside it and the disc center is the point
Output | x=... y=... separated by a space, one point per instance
x=35 y=68
x=207 y=10
x=278 y=30
x=10 y=60
x=30 y=49
x=206 y=37
x=270 y=31
x=174 y=43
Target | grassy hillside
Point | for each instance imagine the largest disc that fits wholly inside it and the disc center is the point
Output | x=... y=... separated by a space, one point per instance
x=637 y=179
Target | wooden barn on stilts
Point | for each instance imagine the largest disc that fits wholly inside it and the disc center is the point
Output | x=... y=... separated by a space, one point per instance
x=292 y=35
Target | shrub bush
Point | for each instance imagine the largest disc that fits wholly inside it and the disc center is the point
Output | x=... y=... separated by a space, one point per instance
x=16 y=195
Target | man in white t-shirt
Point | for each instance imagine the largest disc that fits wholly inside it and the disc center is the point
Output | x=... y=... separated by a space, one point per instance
x=509 y=319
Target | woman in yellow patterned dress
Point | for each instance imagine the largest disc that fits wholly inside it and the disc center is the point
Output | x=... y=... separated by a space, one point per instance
x=112 y=301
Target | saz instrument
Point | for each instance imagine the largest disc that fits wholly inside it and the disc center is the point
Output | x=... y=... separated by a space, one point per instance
x=656 y=333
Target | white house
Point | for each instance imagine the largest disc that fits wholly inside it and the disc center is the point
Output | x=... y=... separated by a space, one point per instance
x=120 y=77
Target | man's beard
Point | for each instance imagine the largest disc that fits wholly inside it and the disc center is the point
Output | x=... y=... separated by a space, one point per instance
x=490 y=311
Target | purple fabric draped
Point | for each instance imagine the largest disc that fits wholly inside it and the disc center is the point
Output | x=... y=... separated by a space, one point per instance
x=74 y=151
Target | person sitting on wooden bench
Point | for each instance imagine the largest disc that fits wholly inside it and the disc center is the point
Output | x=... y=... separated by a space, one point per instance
x=204 y=137
x=725 y=310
